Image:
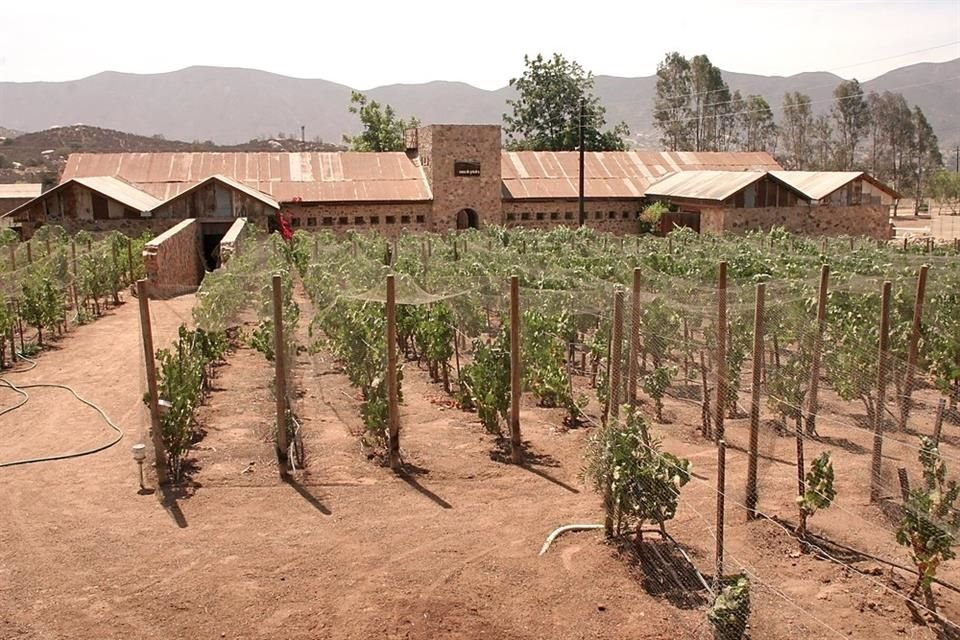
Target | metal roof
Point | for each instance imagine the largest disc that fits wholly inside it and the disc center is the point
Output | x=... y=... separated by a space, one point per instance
x=233 y=184
x=817 y=185
x=311 y=177
x=611 y=174
x=704 y=185
x=107 y=186
x=20 y=190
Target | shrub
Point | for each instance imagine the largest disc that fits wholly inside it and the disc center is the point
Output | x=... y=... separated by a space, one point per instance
x=730 y=610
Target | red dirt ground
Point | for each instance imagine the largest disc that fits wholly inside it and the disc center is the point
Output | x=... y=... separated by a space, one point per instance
x=350 y=551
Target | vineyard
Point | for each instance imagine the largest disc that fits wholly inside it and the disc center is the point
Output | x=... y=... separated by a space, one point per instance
x=764 y=428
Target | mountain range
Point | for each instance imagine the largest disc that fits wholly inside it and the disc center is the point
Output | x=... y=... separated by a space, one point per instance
x=230 y=105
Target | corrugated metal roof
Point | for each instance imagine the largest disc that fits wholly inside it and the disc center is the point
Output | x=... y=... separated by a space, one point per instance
x=311 y=177
x=704 y=185
x=229 y=182
x=611 y=174
x=123 y=192
x=816 y=185
x=20 y=190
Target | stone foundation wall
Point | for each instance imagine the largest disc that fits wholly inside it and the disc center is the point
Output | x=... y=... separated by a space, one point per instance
x=385 y=218
x=173 y=260
x=611 y=216
x=857 y=220
x=233 y=240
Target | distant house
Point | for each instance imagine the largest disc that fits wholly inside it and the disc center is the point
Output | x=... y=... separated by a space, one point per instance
x=838 y=188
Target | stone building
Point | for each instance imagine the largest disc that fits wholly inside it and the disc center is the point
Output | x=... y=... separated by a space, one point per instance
x=449 y=177
x=14 y=195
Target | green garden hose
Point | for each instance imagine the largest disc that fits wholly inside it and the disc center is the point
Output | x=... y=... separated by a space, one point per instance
x=25 y=397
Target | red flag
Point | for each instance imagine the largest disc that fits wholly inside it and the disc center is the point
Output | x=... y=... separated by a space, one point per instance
x=284 y=225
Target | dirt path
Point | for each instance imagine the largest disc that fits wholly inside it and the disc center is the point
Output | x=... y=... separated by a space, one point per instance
x=350 y=551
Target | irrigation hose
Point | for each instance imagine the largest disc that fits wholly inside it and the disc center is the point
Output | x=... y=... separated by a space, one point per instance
x=47 y=385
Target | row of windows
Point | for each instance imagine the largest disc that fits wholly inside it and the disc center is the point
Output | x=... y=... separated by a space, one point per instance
x=569 y=215
x=328 y=221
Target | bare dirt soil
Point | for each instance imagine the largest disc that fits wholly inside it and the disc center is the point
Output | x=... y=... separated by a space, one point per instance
x=348 y=550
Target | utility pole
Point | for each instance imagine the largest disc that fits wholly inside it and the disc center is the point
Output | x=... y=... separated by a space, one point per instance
x=303 y=135
x=580 y=203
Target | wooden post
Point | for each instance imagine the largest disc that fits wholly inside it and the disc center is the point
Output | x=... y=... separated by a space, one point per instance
x=904 y=243
x=721 y=491
x=755 y=402
x=634 y=339
x=393 y=393
x=938 y=422
x=73 y=295
x=812 y=403
x=801 y=484
x=616 y=357
x=146 y=332
x=130 y=258
x=721 y=403
x=912 y=349
x=73 y=256
x=48 y=247
x=516 y=453
x=877 y=461
x=904 y=484
x=13 y=256
x=280 y=373
x=29 y=252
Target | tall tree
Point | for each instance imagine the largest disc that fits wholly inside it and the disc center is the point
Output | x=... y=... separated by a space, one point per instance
x=821 y=144
x=926 y=155
x=671 y=105
x=382 y=129
x=546 y=111
x=759 y=128
x=893 y=128
x=797 y=128
x=851 y=115
x=708 y=95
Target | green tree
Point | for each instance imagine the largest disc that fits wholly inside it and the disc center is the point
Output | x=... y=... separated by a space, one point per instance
x=797 y=130
x=759 y=129
x=671 y=110
x=382 y=128
x=546 y=110
x=821 y=147
x=926 y=155
x=692 y=107
x=944 y=187
x=851 y=114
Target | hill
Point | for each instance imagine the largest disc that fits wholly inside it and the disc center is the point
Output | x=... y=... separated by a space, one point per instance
x=228 y=105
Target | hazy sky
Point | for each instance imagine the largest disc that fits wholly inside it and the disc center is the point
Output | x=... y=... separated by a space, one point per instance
x=373 y=42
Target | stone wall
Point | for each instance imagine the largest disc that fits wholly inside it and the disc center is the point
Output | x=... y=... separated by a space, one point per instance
x=612 y=216
x=233 y=239
x=439 y=148
x=389 y=219
x=173 y=260
x=859 y=220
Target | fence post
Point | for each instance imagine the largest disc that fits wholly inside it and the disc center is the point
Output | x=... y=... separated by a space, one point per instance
x=634 y=339
x=393 y=393
x=146 y=332
x=755 y=402
x=280 y=373
x=130 y=258
x=616 y=356
x=721 y=403
x=516 y=453
x=812 y=403
x=876 y=464
x=73 y=256
x=29 y=252
x=912 y=350
x=904 y=484
x=938 y=422
x=721 y=492
x=13 y=256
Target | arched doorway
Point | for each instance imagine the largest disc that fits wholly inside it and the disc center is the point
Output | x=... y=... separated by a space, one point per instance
x=467 y=219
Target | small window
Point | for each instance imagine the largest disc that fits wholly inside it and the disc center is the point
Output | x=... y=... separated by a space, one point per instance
x=568 y=215
x=525 y=215
x=421 y=219
x=404 y=219
x=130 y=214
x=358 y=220
x=311 y=222
x=540 y=215
x=611 y=215
x=327 y=221
x=597 y=215
x=625 y=215
x=554 y=215
x=374 y=219
x=391 y=220
x=343 y=220
x=295 y=222
x=511 y=217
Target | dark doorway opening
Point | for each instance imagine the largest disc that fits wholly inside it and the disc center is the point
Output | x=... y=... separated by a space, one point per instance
x=211 y=250
x=467 y=219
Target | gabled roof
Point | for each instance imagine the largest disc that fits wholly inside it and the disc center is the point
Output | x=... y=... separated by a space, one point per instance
x=229 y=183
x=288 y=176
x=20 y=190
x=611 y=174
x=107 y=186
x=817 y=185
x=704 y=185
